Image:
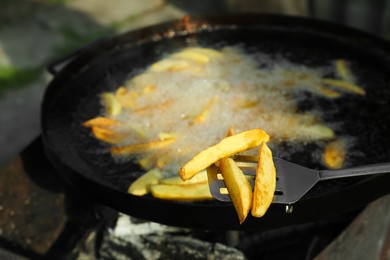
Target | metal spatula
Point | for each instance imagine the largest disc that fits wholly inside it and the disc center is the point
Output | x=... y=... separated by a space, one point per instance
x=292 y=180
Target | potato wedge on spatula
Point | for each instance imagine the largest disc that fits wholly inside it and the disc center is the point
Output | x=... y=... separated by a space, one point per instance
x=225 y=148
x=265 y=182
x=238 y=186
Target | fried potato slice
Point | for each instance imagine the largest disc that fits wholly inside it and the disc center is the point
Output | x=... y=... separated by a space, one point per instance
x=343 y=70
x=193 y=55
x=163 y=160
x=317 y=132
x=327 y=92
x=229 y=132
x=238 y=186
x=344 y=85
x=227 y=147
x=140 y=147
x=111 y=104
x=166 y=135
x=153 y=107
x=265 y=182
x=190 y=192
x=170 y=65
x=148 y=89
x=199 y=178
x=201 y=55
x=103 y=122
x=107 y=135
x=126 y=98
x=147 y=161
x=334 y=154
x=202 y=116
x=142 y=185
x=245 y=103
x=207 y=51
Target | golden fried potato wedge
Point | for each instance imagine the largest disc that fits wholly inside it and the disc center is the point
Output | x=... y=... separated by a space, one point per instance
x=103 y=122
x=344 y=85
x=343 y=70
x=148 y=89
x=245 y=103
x=206 y=51
x=199 y=178
x=193 y=55
x=147 y=161
x=126 y=98
x=163 y=160
x=327 y=92
x=334 y=154
x=153 y=107
x=227 y=147
x=317 y=132
x=166 y=135
x=240 y=190
x=202 y=116
x=191 y=192
x=142 y=185
x=111 y=104
x=170 y=65
x=107 y=135
x=229 y=132
x=141 y=147
x=265 y=182
x=121 y=91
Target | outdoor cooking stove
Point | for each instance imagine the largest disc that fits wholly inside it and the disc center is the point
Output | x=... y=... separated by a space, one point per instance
x=42 y=217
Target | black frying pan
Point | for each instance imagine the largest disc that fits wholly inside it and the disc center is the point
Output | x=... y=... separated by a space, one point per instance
x=72 y=98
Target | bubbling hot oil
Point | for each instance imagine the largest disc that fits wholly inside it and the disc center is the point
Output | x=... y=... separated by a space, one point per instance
x=196 y=95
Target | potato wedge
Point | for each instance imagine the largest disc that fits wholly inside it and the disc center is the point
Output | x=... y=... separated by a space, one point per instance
x=191 y=192
x=238 y=186
x=140 y=147
x=229 y=132
x=163 y=160
x=327 y=92
x=107 y=135
x=203 y=115
x=103 y=122
x=344 y=85
x=147 y=161
x=170 y=65
x=199 y=178
x=265 y=182
x=245 y=103
x=153 y=107
x=148 y=89
x=317 y=132
x=111 y=104
x=227 y=147
x=166 y=135
x=343 y=70
x=334 y=154
x=193 y=55
x=142 y=185
x=126 y=98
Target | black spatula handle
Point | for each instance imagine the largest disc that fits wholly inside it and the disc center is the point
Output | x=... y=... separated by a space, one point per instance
x=364 y=170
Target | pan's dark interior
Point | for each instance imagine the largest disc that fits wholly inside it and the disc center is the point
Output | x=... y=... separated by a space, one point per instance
x=72 y=97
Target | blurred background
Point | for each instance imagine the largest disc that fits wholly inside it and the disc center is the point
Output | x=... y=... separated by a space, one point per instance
x=34 y=32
